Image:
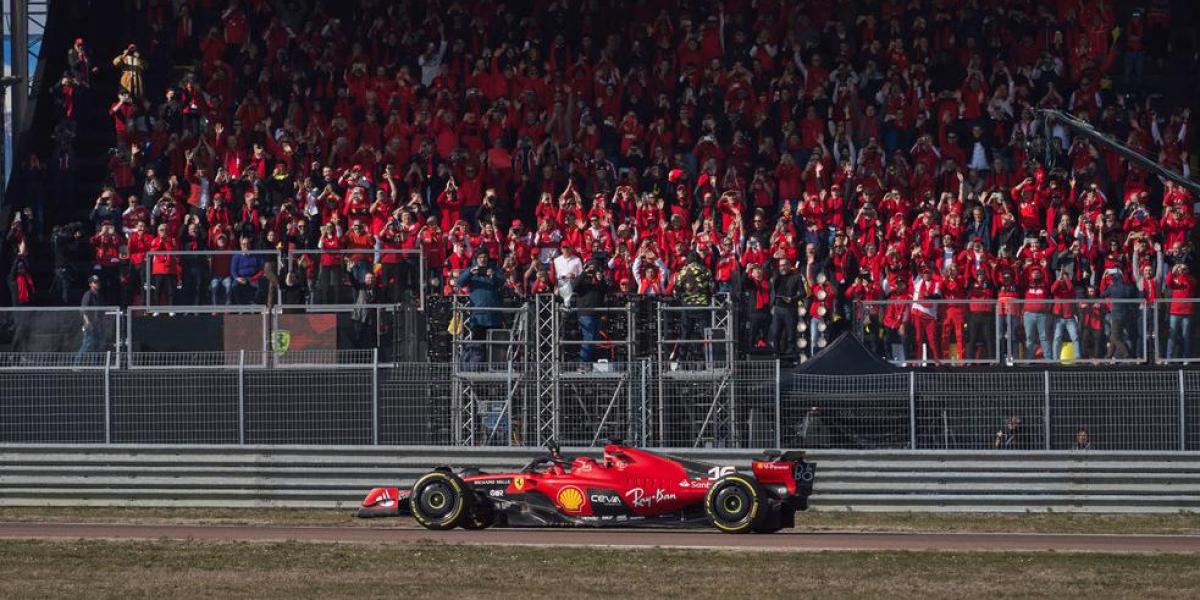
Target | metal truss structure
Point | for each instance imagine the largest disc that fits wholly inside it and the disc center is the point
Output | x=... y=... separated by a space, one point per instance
x=487 y=376
x=696 y=397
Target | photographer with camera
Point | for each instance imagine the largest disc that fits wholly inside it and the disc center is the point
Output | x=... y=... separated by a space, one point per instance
x=484 y=283
x=786 y=289
x=591 y=289
x=694 y=288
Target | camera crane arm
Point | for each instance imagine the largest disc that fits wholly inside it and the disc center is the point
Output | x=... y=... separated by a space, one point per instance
x=1085 y=129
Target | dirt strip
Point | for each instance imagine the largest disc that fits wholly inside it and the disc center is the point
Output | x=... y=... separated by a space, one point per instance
x=794 y=540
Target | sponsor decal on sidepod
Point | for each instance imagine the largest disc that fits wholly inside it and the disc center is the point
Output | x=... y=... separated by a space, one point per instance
x=605 y=499
x=639 y=498
x=570 y=498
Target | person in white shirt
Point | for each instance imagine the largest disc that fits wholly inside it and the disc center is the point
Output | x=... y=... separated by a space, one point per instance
x=567 y=266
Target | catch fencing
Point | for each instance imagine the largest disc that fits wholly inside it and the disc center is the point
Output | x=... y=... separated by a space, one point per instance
x=1118 y=410
x=357 y=399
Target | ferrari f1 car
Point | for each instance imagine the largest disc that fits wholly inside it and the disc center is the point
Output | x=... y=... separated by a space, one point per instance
x=627 y=487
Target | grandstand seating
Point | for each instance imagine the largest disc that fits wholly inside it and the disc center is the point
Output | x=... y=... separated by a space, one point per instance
x=883 y=151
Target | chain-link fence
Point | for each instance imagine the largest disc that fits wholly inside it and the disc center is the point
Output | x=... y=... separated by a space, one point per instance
x=1189 y=409
x=980 y=410
x=59 y=337
x=254 y=398
x=1026 y=410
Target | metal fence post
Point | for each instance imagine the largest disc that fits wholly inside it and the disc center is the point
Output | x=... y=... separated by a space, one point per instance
x=1145 y=333
x=117 y=338
x=146 y=279
x=778 y=407
x=1182 y=422
x=375 y=396
x=912 y=409
x=1158 y=349
x=1046 y=407
x=242 y=397
x=108 y=397
x=999 y=334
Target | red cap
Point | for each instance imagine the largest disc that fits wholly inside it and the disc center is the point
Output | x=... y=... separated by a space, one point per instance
x=674 y=175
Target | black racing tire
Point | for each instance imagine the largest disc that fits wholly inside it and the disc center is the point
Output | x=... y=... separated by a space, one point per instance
x=440 y=501
x=481 y=516
x=736 y=504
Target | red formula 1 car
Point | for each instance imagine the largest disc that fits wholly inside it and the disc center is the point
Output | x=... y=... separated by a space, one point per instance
x=627 y=487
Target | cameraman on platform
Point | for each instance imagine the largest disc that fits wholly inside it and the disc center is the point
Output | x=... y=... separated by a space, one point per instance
x=591 y=287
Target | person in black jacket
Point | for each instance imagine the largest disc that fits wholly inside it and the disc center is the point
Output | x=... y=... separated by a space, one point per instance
x=590 y=291
x=1122 y=334
x=786 y=289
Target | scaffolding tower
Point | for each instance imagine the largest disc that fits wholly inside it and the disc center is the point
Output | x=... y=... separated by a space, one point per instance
x=545 y=356
x=487 y=376
x=696 y=393
x=595 y=397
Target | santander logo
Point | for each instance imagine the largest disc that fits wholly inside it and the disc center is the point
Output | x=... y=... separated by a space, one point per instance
x=639 y=498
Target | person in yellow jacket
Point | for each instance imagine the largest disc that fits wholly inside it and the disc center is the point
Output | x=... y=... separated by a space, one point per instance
x=132 y=67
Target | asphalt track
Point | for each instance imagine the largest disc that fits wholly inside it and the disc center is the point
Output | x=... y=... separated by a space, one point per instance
x=795 y=540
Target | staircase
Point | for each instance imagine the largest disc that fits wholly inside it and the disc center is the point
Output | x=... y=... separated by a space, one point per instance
x=105 y=27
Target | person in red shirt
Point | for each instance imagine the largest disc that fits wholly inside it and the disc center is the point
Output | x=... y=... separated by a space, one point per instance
x=107 y=245
x=332 y=264
x=1036 y=315
x=360 y=239
x=981 y=327
x=138 y=244
x=1063 y=290
x=220 y=282
x=393 y=270
x=954 y=317
x=165 y=269
x=1093 y=311
x=1180 y=284
x=924 y=314
x=895 y=318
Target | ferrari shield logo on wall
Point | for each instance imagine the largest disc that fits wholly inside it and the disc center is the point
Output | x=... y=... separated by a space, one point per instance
x=280 y=341
x=519 y=483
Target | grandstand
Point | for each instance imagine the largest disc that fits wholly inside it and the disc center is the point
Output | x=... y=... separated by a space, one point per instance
x=612 y=201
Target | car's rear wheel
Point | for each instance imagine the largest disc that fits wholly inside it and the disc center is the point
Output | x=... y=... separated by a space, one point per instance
x=481 y=516
x=440 y=501
x=736 y=504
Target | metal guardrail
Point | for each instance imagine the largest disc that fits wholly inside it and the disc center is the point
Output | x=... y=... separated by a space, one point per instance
x=337 y=477
x=1008 y=334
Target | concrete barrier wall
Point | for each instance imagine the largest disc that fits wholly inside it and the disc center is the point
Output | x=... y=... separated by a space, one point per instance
x=339 y=476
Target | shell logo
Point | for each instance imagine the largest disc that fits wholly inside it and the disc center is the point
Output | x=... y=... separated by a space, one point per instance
x=570 y=498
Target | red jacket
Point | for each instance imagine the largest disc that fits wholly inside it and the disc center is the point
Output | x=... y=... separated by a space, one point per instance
x=1181 y=286
x=167 y=264
x=1063 y=289
x=108 y=249
x=331 y=242
x=1035 y=298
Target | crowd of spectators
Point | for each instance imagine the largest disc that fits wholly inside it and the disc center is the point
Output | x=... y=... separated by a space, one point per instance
x=797 y=155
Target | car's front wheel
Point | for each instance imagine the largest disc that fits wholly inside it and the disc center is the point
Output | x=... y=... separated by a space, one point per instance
x=440 y=501
x=736 y=504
